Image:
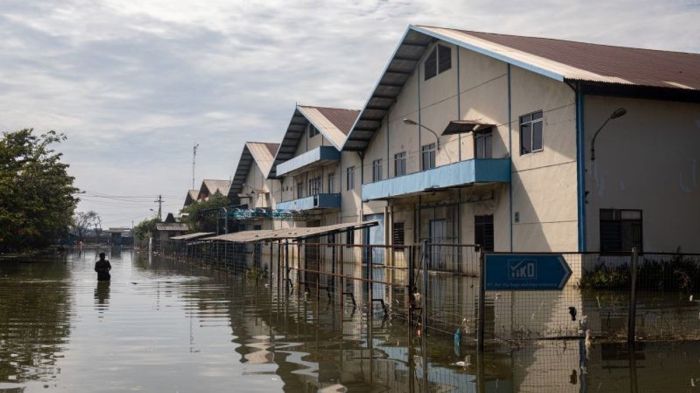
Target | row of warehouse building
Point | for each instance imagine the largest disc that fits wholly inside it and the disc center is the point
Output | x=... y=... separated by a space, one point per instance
x=513 y=143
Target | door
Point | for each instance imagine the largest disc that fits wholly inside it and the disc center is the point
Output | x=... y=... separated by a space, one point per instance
x=375 y=235
x=483 y=231
x=438 y=237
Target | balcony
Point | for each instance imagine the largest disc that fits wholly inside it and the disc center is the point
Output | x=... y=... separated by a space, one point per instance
x=320 y=201
x=480 y=170
x=315 y=157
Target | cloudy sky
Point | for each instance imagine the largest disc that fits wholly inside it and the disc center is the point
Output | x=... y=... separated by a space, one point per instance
x=134 y=84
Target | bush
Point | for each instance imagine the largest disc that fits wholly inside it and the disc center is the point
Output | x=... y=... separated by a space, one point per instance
x=680 y=273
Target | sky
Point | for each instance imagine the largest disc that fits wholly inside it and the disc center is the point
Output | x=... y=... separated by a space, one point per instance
x=135 y=84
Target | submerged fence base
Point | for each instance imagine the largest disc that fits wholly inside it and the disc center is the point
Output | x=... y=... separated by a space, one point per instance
x=656 y=302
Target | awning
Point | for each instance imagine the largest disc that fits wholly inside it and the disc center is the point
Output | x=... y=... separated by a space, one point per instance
x=290 y=233
x=191 y=236
x=462 y=126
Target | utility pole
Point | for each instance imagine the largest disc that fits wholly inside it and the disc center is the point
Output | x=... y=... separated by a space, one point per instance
x=194 y=157
x=159 y=201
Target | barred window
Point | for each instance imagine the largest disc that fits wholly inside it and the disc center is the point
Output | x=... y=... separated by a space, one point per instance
x=400 y=164
x=377 y=170
x=620 y=230
x=398 y=235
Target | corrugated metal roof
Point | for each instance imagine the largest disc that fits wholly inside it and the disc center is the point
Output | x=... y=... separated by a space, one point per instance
x=191 y=197
x=260 y=152
x=288 y=233
x=332 y=123
x=593 y=62
x=213 y=186
x=557 y=59
x=173 y=226
x=191 y=236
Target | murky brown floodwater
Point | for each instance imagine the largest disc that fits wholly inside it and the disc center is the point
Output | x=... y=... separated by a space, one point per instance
x=166 y=326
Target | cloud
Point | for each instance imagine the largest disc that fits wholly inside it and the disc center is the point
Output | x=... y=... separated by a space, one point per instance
x=135 y=84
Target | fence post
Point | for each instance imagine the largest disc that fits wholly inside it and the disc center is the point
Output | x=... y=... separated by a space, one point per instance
x=425 y=261
x=632 y=312
x=482 y=303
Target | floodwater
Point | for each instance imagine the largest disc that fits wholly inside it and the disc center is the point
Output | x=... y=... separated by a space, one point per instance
x=170 y=326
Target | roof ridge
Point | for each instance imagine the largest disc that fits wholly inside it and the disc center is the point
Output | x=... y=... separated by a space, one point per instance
x=329 y=107
x=555 y=39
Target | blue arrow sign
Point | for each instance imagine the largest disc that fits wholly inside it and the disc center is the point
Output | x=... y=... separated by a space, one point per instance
x=525 y=272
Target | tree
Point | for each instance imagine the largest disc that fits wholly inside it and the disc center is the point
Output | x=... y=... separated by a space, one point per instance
x=36 y=192
x=142 y=229
x=203 y=215
x=84 y=221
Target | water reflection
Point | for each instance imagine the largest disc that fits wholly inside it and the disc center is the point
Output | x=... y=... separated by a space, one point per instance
x=35 y=309
x=163 y=325
x=102 y=295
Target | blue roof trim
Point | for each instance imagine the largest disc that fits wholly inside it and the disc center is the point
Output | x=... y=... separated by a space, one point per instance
x=486 y=52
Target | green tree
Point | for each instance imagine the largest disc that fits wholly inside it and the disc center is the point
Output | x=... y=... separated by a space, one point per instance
x=36 y=192
x=202 y=215
x=142 y=229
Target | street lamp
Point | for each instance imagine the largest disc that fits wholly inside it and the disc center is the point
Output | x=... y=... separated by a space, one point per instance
x=415 y=123
x=617 y=113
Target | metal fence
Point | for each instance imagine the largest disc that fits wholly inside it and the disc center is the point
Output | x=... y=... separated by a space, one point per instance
x=437 y=288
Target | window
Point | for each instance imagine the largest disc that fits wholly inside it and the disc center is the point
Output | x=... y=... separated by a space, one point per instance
x=430 y=65
x=377 y=170
x=398 y=235
x=313 y=131
x=331 y=183
x=300 y=189
x=482 y=144
x=438 y=61
x=531 y=133
x=350 y=237
x=483 y=231
x=400 y=164
x=350 y=178
x=315 y=185
x=620 y=230
x=427 y=160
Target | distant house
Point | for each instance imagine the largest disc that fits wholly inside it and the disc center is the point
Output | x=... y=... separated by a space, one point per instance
x=120 y=236
x=212 y=186
x=191 y=197
x=165 y=230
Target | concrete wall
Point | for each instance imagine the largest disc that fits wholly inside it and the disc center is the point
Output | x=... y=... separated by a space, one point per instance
x=544 y=183
x=649 y=160
x=477 y=88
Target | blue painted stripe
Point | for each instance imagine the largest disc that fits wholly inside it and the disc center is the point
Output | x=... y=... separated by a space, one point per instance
x=581 y=170
x=510 y=152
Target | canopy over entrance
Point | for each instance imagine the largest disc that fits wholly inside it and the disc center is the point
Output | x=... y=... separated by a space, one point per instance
x=290 y=233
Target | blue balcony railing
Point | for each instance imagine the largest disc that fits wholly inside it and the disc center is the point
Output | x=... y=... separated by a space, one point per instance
x=480 y=170
x=320 y=201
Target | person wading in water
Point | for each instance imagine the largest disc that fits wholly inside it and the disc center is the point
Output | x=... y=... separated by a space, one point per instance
x=102 y=267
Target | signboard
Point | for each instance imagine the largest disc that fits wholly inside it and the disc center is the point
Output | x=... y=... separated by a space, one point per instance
x=525 y=272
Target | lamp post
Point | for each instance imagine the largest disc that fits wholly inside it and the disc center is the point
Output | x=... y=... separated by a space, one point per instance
x=617 y=113
x=415 y=123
